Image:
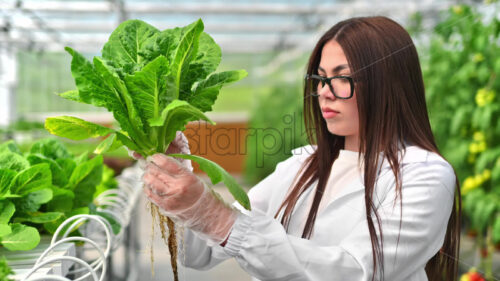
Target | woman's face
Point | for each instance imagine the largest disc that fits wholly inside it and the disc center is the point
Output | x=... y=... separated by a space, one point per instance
x=343 y=121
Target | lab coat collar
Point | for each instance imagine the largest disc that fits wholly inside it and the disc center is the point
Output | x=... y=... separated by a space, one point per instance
x=411 y=154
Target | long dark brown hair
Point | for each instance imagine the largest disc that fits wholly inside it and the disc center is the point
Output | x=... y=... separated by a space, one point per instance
x=392 y=112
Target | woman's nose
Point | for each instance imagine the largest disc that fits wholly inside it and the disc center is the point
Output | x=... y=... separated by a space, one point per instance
x=325 y=92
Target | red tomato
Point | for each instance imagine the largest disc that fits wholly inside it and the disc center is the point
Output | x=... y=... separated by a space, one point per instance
x=474 y=276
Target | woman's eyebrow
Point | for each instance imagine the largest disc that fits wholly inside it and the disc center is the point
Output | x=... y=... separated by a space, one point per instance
x=336 y=69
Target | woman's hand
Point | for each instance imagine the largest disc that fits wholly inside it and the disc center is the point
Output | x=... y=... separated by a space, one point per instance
x=170 y=184
x=182 y=196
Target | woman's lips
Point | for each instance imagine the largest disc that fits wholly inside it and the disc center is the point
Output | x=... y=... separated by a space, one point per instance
x=328 y=113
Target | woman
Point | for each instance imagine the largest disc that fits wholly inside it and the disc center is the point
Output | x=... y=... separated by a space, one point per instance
x=372 y=199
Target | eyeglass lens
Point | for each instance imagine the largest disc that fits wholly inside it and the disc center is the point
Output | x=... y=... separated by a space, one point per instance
x=339 y=86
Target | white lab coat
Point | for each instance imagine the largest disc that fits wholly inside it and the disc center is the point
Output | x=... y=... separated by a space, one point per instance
x=340 y=247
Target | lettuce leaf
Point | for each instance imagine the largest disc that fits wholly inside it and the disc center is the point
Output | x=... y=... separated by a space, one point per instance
x=32 y=201
x=21 y=238
x=6 y=177
x=34 y=178
x=7 y=210
x=126 y=43
x=4 y=230
x=13 y=161
x=39 y=217
x=205 y=92
x=50 y=148
x=84 y=179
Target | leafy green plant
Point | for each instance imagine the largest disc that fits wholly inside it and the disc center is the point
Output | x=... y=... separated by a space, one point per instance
x=461 y=68
x=37 y=190
x=153 y=82
x=5 y=270
x=23 y=189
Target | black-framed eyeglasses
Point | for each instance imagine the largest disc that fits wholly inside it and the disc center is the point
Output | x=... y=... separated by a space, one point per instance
x=341 y=86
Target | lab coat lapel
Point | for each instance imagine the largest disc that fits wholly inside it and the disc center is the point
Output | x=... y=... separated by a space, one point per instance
x=411 y=154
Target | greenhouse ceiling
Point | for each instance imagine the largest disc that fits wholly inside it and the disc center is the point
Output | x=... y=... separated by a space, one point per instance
x=239 y=26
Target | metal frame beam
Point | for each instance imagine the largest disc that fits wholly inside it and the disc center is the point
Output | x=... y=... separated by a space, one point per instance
x=108 y=26
x=222 y=8
x=93 y=44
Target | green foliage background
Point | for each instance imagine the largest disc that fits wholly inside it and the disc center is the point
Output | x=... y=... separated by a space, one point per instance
x=461 y=67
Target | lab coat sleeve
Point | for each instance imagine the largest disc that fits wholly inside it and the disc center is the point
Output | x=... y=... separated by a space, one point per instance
x=194 y=252
x=263 y=248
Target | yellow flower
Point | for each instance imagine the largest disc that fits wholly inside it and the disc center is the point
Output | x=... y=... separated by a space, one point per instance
x=486 y=174
x=481 y=146
x=473 y=148
x=457 y=9
x=469 y=183
x=481 y=97
x=484 y=97
x=478 y=180
x=481 y=91
x=480 y=101
x=465 y=277
x=465 y=190
x=478 y=136
x=478 y=57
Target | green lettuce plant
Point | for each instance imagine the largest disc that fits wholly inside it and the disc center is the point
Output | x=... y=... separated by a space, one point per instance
x=153 y=82
x=37 y=190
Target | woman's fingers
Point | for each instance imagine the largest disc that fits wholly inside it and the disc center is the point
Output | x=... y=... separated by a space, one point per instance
x=171 y=199
x=154 y=170
x=167 y=164
x=158 y=184
x=167 y=180
x=169 y=184
x=153 y=197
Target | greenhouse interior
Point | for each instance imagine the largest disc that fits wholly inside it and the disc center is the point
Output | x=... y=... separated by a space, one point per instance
x=95 y=93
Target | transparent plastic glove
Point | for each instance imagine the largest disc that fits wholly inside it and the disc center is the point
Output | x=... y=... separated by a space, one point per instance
x=188 y=200
x=140 y=160
x=178 y=145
